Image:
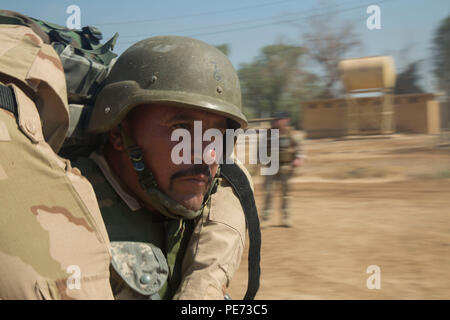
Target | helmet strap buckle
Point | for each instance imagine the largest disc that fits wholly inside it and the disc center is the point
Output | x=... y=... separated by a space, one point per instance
x=135 y=154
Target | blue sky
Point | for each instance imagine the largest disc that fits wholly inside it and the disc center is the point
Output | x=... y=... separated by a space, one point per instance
x=407 y=26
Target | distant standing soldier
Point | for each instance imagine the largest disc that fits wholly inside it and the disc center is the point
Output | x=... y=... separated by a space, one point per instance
x=53 y=243
x=291 y=156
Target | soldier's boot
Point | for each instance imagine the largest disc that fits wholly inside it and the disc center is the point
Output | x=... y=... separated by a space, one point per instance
x=286 y=220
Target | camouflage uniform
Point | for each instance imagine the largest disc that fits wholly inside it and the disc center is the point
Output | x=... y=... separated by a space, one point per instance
x=202 y=247
x=202 y=255
x=214 y=252
x=53 y=243
x=289 y=149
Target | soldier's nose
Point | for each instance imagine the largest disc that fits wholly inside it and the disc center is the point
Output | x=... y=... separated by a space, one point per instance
x=204 y=154
x=209 y=156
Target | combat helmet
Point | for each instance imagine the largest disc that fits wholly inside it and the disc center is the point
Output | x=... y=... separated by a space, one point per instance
x=184 y=72
x=167 y=70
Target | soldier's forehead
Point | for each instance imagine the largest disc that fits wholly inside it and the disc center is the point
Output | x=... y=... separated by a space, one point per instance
x=192 y=115
x=169 y=113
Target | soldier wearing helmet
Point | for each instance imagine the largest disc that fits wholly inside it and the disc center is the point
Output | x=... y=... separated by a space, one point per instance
x=291 y=156
x=177 y=230
x=53 y=243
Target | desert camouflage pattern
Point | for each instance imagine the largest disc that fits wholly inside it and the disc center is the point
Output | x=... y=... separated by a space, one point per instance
x=201 y=267
x=284 y=173
x=141 y=265
x=137 y=225
x=38 y=71
x=215 y=250
x=53 y=243
x=289 y=149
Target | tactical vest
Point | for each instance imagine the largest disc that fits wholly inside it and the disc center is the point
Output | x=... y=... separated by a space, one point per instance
x=141 y=226
x=287 y=148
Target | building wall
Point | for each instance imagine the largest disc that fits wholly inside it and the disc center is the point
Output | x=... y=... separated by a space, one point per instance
x=444 y=106
x=365 y=114
x=325 y=118
x=414 y=113
x=417 y=113
x=433 y=117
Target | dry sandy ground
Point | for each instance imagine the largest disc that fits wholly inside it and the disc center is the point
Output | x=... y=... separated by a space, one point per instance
x=360 y=202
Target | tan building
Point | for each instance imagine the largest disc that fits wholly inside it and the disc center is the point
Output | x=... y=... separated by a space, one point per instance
x=380 y=113
x=413 y=113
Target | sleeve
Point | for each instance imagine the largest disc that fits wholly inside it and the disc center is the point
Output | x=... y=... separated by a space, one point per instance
x=298 y=147
x=216 y=248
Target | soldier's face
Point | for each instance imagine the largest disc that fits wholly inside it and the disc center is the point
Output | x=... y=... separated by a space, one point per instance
x=152 y=128
x=282 y=123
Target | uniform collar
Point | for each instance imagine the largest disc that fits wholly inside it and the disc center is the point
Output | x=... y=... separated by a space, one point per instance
x=101 y=162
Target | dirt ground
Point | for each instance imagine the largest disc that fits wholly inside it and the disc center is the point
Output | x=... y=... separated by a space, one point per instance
x=358 y=202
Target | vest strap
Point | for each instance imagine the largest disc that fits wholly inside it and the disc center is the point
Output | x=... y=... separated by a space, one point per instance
x=7 y=99
x=238 y=180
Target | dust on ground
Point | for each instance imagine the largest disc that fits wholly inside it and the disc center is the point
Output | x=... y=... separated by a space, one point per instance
x=357 y=202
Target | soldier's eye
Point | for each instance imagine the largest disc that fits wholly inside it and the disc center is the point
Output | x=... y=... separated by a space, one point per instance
x=179 y=126
x=186 y=126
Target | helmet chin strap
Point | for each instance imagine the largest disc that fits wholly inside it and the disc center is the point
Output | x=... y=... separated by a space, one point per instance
x=159 y=200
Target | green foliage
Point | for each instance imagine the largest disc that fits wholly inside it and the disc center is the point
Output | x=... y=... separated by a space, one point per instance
x=225 y=48
x=444 y=174
x=274 y=81
x=329 y=39
x=441 y=55
x=407 y=81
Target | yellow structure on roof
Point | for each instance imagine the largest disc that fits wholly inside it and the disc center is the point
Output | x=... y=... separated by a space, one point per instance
x=367 y=73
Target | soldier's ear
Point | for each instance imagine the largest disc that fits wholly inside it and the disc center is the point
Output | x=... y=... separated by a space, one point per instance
x=115 y=139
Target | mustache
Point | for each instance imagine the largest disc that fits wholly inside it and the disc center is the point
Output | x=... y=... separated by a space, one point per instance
x=196 y=169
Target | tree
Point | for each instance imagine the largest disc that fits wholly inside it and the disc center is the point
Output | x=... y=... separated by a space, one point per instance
x=225 y=48
x=328 y=40
x=253 y=88
x=407 y=81
x=274 y=81
x=441 y=55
